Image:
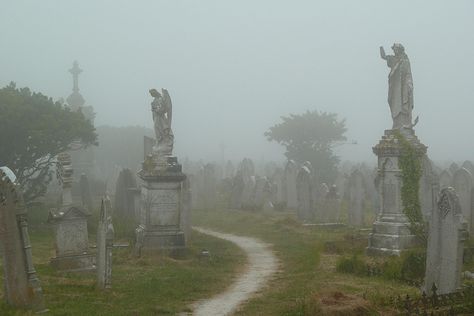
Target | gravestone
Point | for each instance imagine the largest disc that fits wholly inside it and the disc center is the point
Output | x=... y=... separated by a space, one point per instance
x=447 y=234
x=356 y=198
x=426 y=193
x=279 y=201
x=290 y=174
x=453 y=168
x=86 y=199
x=162 y=178
x=105 y=243
x=390 y=232
x=469 y=166
x=125 y=192
x=70 y=226
x=304 y=192
x=319 y=203
x=237 y=191
x=331 y=206
x=21 y=284
x=462 y=183
x=445 y=179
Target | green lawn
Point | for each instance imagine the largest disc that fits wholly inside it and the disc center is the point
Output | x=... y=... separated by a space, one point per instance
x=307 y=283
x=140 y=286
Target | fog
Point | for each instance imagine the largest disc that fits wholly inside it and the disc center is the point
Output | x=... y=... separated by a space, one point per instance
x=233 y=68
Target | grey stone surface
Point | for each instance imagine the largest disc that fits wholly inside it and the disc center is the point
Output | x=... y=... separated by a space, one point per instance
x=290 y=174
x=445 y=179
x=162 y=110
x=125 y=192
x=105 y=243
x=427 y=193
x=21 y=284
x=356 y=198
x=390 y=233
x=304 y=192
x=447 y=234
x=400 y=86
x=462 y=183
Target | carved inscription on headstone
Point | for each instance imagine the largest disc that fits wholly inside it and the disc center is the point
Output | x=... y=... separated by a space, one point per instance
x=164 y=208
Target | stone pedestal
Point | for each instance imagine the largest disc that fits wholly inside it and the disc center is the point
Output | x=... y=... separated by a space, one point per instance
x=161 y=207
x=390 y=233
x=71 y=239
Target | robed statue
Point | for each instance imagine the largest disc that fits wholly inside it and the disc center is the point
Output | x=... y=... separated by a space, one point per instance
x=400 y=87
x=162 y=109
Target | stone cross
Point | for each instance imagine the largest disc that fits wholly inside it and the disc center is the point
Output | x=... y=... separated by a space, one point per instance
x=447 y=233
x=105 y=242
x=22 y=286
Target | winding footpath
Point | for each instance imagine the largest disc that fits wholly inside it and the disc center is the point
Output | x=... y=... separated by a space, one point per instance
x=261 y=264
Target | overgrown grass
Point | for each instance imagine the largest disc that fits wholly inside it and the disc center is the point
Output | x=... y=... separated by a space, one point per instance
x=140 y=286
x=308 y=283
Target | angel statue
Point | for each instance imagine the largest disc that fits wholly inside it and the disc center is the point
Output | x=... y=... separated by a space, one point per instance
x=162 y=112
x=400 y=87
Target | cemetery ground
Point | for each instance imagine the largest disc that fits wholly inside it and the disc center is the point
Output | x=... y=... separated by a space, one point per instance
x=156 y=285
x=322 y=271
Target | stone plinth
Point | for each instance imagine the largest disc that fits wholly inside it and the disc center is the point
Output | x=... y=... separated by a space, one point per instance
x=71 y=239
x=390 y=234
x=161 y=207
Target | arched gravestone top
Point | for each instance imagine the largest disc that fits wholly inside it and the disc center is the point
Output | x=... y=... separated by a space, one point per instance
x=453 y=168
x=469 y=166
x=445 y=179
x=291 y=166
x=462 y=177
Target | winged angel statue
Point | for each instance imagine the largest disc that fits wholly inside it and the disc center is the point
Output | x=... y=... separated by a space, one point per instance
x=162 y=109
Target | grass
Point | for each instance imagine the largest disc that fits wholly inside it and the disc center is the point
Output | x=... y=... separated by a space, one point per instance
x=308 y=283
x=140 y=286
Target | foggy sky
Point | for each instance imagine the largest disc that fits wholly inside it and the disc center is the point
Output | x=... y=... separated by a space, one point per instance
x=234 y=67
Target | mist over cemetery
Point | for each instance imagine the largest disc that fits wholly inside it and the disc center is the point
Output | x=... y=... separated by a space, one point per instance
x=138 y=219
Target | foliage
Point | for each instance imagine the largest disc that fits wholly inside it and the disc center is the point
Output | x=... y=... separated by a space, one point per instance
x=311 y=137
x=410 y=165
x=33 y=130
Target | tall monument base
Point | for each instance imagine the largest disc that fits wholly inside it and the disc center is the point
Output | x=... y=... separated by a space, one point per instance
x=161 y=207
x=390 y=233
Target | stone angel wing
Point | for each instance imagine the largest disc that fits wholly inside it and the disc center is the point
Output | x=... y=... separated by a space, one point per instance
x=169 y=106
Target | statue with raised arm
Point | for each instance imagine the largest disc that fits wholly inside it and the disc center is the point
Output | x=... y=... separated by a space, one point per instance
x=161 y=108
x=400 y=87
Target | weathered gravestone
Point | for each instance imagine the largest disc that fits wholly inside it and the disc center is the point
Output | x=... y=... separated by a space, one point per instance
x=304 y=193
x=22 y=286
x=462 y=183
x=356 y=198
x=161 y=191
x=70 y=226
x=125 y=195
x=331 y=208
x=290 y=174
x=445 y=179
x=105 y=243
x=447 y=234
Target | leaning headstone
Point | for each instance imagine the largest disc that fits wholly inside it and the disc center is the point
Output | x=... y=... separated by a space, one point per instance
x=304 y=193
x=105 y=243
x=356 y=198
x=462 y=183
x=22 y=286
x=445 y=179
x=290 y=174
x=70 y=226
x=447 y=234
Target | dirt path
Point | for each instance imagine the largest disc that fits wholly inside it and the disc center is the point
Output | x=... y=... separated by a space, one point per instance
x=261 y=264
